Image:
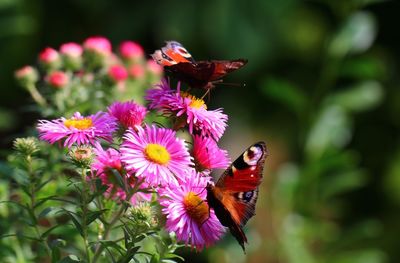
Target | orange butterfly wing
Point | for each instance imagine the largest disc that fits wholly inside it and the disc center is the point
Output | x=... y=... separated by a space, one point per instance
x=234 y=196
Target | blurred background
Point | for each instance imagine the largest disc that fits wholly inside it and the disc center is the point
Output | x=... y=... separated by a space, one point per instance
x=322 y=89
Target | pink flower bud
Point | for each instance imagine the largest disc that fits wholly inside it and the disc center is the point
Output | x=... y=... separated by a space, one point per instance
x=136 y=71
x=71 y=50
x=48 y=56
x=117 y=73
x=131 y=50
x=57 y=79
x=26 y=75
x=98 y=44
x=154 y=68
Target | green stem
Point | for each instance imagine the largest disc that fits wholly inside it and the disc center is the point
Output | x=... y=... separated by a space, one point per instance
x=32 y=190
x=36 y=95
x=114 y=220
x=84 y=207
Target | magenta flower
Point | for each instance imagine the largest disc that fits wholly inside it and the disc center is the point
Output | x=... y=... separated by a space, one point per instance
x=111 y=159
x=188 y=214
x=207 y=154
x=129 y=114
x=193 y=110
x=117 y=73
x=78 y=129
x=131 y=50
x=155 y=154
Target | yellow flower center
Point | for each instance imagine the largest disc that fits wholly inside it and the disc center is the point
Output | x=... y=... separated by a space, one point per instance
x=195 y=102
x=81 y=124
x=196 y=207
x=157 y=153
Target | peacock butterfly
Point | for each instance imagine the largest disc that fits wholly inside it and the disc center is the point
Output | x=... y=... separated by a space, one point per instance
x=234 y=196
x=197 y=74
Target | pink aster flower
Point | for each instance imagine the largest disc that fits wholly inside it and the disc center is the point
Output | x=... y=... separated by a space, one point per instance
x=78 y=129
x=57 y=79
x=71 y=49
x=208 y=155
x=98 y=44
x=129 y=114
x=131 y=50
x=155 y=154
x=117 y=73
x=188 y=214
x=109 y=159
x=193 y=110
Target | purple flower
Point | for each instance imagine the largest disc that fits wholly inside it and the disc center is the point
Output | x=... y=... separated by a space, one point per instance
x=187 y=109
x=129 y=114
x=188 y=214
x=208 y=155
x=78 y=129
x=155 y=154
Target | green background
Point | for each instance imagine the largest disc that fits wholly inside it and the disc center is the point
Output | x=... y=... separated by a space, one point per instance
x=322 y=89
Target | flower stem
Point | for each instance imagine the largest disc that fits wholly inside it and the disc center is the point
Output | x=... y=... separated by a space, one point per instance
x=32 y=204
x=84 y=207
x=36 y=95
x=114 y=220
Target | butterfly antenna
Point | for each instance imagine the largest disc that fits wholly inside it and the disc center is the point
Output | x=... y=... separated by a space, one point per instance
x=205 y=94
x=238 y=85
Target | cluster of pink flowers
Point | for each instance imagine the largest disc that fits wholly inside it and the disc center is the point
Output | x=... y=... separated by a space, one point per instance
x=74 y=60
x=147 y=156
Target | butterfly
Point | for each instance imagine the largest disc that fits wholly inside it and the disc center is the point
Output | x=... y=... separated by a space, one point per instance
x=234 y=196
x=197 y=74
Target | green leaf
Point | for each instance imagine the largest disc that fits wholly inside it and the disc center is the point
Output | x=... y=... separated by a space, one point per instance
x=48 y=231
x=76 y=220
x=55 y=246
x=361 y=97
x=112 y=244
x=356 y=35
x=285 y=93
x=70 y=259
x=93 y=215
x=45 y=212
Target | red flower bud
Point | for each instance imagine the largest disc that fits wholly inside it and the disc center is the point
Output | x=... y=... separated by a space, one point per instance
x=57 y=79
x=131 y=50
x=117 y=73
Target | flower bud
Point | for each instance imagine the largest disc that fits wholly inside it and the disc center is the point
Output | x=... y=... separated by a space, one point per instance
x=136 y=71
x=143 y=215
x=117 y=73
x=72 y=55
x=131 y=51
x=26 y=75
x=82 y=155
x=57 y=79
x=26 y=146
x=154 y=68
x=49 y=58
x=96 y=51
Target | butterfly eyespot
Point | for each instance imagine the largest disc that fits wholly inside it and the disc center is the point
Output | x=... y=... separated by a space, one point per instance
x=247 y=196
x=252 y=155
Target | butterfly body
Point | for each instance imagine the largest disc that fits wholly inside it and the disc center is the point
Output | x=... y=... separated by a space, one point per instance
x=234 y=196
x=197 y=74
